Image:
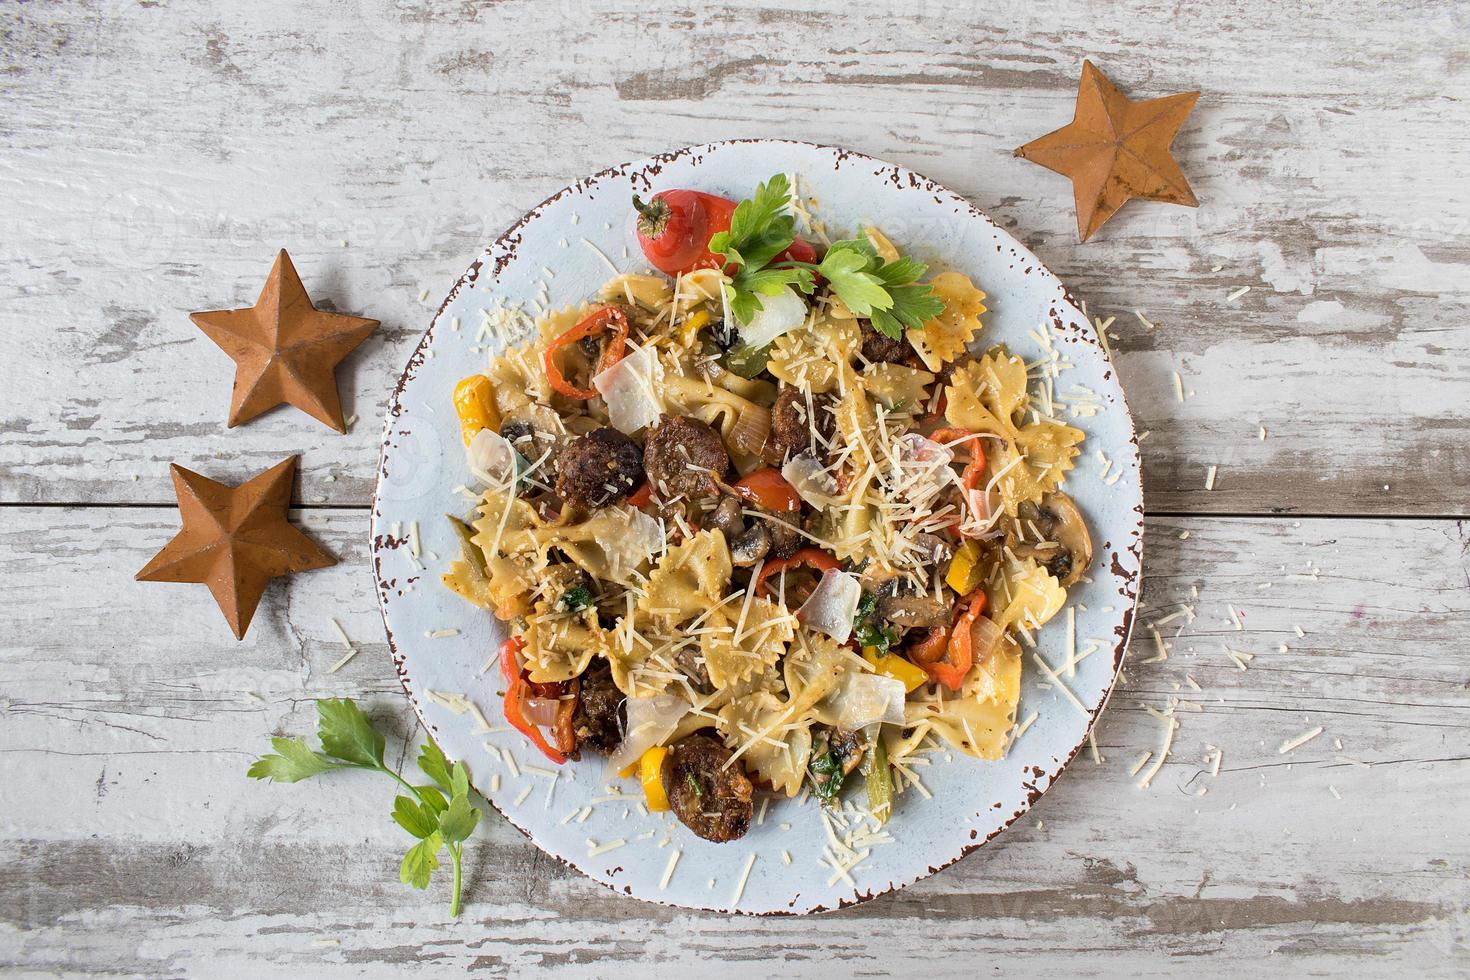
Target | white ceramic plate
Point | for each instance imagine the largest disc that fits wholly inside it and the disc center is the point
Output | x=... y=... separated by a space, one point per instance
x=576 y=235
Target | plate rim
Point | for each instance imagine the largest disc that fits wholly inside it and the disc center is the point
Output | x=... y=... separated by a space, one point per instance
x=649 y=166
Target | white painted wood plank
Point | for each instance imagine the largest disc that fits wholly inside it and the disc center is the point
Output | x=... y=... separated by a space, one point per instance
x=154 y=158
x=135 y=844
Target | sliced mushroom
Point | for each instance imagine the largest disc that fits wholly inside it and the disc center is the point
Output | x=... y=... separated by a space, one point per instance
x=932 y=549
x=1066 y=548
x=913 y=610
x=726 y=517
x=751 y=546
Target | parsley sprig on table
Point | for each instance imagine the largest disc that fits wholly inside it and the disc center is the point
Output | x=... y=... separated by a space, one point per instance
x=887 y=293
x=440 y=816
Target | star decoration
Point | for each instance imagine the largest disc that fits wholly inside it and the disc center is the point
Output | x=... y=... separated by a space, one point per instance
x=285 y=350
x=235 y=540
x=1114 y=150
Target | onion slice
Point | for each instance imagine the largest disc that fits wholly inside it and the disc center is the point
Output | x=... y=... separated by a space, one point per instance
x=491 y=456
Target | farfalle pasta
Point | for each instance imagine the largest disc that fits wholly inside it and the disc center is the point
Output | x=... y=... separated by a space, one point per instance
x=782 y=533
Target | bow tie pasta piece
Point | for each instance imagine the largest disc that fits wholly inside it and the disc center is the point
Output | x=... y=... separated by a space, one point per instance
x=813 y=358
x=1048 y=450
x=736 y=649
x=690 y=579
x=1024 y=595
x=898 y=388
x=945 y=337
x=615 y=544
x=653 y=293
x=979 y=721
x=813 y=668
x=770 y=737
x=560 y=644
x=503 y=538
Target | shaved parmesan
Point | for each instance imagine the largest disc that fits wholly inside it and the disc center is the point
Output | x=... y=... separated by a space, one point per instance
x=832 y=605
x=779 y=314
x=812 y=482
x=490 y=454
x=865 y=699
x=630 y=388
x=650 y=722
x=643 y=540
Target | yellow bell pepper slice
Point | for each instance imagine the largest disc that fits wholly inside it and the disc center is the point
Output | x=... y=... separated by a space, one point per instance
x=474 y=403
x=651 y=775
x=896 y=667
x=964 y=569
x=690 y=328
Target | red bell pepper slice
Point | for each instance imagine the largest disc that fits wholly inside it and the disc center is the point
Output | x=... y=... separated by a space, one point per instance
x=589 y=326
x=949 y=662
x=515 y=695
x=810 y=557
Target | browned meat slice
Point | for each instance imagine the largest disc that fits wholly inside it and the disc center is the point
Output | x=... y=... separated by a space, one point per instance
x=598 y=469
x=598 y=720
x=682 y=454
x=791 y=428
x=710 y=800
x=879 y=347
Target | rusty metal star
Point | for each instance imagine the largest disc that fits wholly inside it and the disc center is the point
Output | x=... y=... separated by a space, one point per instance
x=235 y=540
x=285 y=350
x=1115 y=150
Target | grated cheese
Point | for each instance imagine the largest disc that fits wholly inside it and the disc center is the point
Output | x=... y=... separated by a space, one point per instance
x=663 y=882
x=1170 y=725
x=1295 y=743
x=744 y=876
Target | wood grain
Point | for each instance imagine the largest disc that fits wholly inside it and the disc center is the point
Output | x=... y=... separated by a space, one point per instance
x=132 y=713
x=1333 y=176
x=154 y=155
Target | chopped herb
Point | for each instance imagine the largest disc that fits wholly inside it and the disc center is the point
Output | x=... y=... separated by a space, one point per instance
x=826 y=773
x=575 y=599
x=867 y=631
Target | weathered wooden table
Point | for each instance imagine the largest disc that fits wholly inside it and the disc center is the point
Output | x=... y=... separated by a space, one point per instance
x=154 y=155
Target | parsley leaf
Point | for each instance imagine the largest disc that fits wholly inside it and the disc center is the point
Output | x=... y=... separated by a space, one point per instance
x=458 y=822
x=295 y=762
x=760 y=230
x=887 y=293
x=414 y=817
x=440 y=816
x=435 y=765
x=347 y=734
x=421 y=861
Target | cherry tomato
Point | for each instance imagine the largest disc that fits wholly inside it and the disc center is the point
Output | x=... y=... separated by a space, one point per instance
x=674 y=229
